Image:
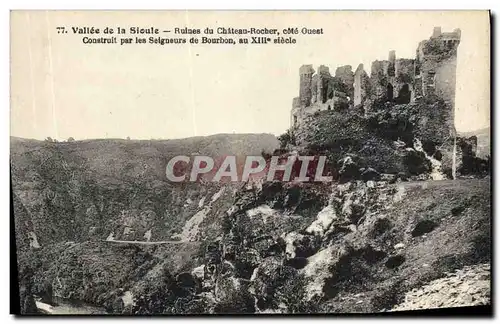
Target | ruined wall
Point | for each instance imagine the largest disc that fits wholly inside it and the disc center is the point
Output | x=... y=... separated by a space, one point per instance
x=379 y=79
x=321 y=83
x=361 y=85
x=445 y=80
x=321 y=91
x=417 y=81
x=396 y=80
x=405 y=70
x=296 y=105
x=392 y=80
x=403 y=81
x=391 y=68
x=346 y=76
x=314 y=89
x=306 y=72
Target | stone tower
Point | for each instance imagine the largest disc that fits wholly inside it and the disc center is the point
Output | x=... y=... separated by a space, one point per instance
x=305 y=95
x=323 y=78
x=435 y=68
x=346 y=76
x=437 y=59
x=391 y=69
x=361 y=85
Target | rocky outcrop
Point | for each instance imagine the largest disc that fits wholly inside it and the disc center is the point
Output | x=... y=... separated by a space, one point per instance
x=469 y=286
x=407 y=140
x=367 y=247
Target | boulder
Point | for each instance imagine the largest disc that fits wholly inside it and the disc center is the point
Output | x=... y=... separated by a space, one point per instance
x=246 y=261
x=391 y=178
x=349 y=169
x=268 y=280
x=233 y=297
x=369 y=174
x=267 y=246
x=199 y=272
x=188 y=282
x=318 y=271
x=300 y=245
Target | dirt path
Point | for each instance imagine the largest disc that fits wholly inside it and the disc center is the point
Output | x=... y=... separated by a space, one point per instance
x=147 y=243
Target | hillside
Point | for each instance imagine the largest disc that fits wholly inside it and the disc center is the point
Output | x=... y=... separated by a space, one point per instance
x=88 y=190
x=280 y=254
x=365 y=249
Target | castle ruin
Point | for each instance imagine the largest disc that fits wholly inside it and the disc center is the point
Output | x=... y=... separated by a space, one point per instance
x=395 y=80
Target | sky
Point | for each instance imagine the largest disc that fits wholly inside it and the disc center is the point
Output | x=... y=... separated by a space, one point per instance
x=63 y=88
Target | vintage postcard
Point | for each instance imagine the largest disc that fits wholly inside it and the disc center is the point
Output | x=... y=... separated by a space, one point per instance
x=250 y=162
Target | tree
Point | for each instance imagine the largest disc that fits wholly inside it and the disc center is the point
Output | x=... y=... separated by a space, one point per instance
x=71 y=139
x=286 y=139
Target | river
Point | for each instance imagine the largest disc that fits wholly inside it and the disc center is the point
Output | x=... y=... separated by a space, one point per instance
x=69 y=307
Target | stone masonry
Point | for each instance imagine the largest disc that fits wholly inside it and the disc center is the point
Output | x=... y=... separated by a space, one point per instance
x=396 y=80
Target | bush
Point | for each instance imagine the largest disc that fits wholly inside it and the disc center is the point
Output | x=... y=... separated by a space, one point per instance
x=286 y=139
